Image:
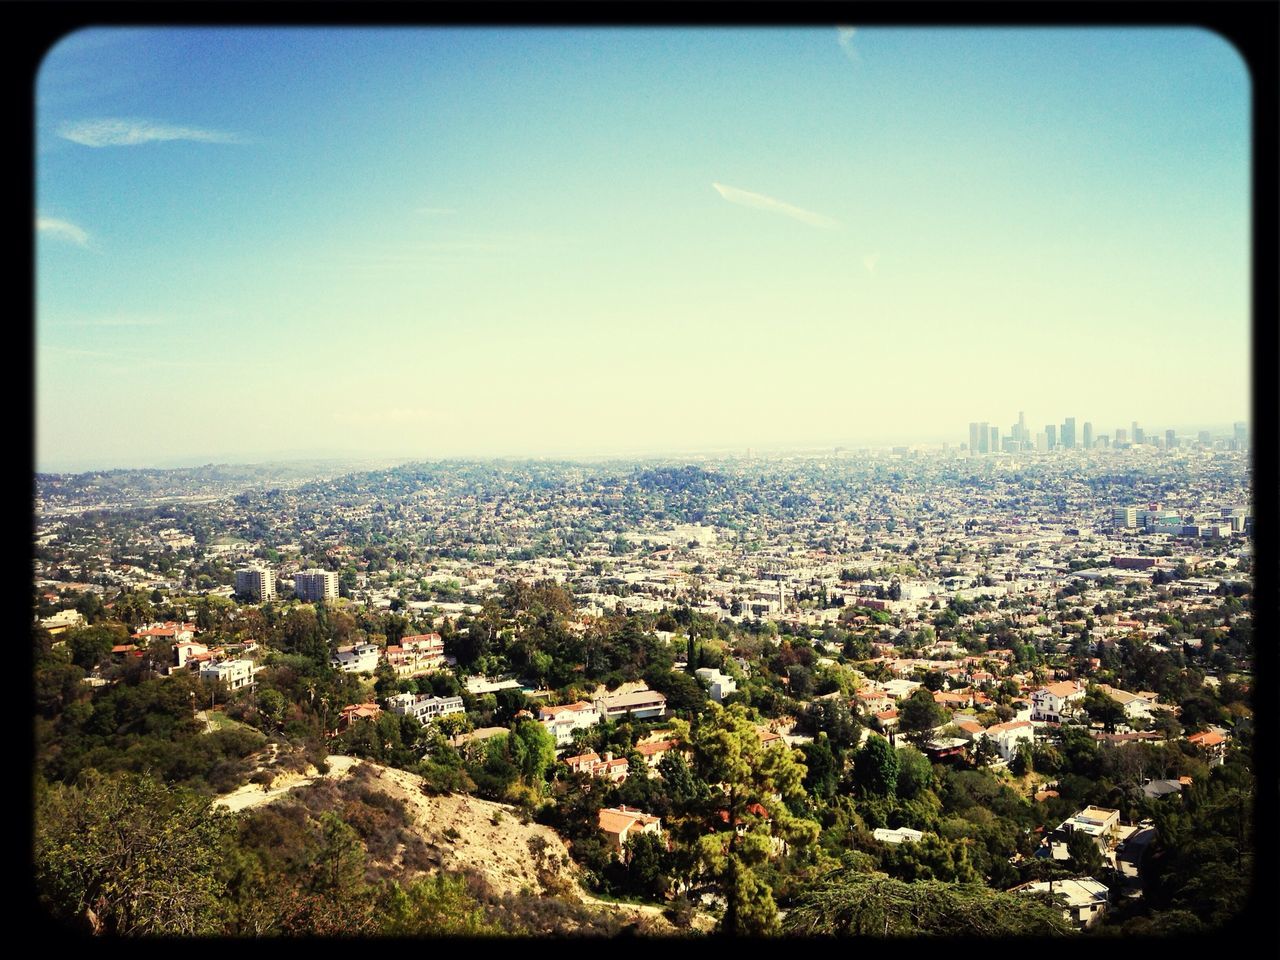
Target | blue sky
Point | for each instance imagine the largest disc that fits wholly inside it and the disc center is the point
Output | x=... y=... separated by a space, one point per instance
x=263 y=243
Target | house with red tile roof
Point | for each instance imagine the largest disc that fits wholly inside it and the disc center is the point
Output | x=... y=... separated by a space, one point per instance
x=621 y=823
x=355 y=712
x=654 y=752
x=1054 y=701
x=1213 y=743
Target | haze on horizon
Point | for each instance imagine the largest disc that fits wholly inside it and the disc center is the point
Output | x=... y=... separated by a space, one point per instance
x=264 y=244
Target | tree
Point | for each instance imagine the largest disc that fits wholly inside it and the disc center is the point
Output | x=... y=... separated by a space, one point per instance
x=1022 y=762
x=920 y=713
x=848 y=903
x=134 y=609
x=915 y=773
x=532 y=751
x=89 y=646
x=130 y=855
x=875 y=767
x=1086 y=858
x=823 y=773
x=750 y=811
x=436 y=906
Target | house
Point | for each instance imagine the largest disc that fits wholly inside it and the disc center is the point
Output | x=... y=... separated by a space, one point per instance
x=654 y=752
x=1100 y=823
x=186 y=650
x=641 y=705
x=900 y=835
x=898 y=689
x=1163 y=788
x=969 y=727
x=622 y=823
x=1053 y=702
x=561 y=721
x=1213 y=743
x=609 y=767
x=234 y=673
x=768 y=738
x=740 y=825
x=1083 y=900
x=888 y=719
x=719 y=685
x=357 y=711
x=1135 y=707
x=361 y=658
x=169 y=630
x=423 y=708
x=417 y=654
x=62 y=621
x=1006 y=737
x=953 y=700
x=945 y=748
x=1132 y=847
x=477 y=686
x=873 y=701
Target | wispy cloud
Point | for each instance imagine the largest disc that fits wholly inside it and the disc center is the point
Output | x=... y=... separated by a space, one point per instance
x=844 y=37
x=62 y=230
x=112 y=321
x=759 y=201
x=116 y=132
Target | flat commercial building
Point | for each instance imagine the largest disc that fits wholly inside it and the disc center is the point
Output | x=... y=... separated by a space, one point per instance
x=316 y=585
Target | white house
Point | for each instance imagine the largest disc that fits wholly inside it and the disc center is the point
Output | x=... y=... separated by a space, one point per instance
x=234 y=673
x=362 y=658
x=719 y=685
x=900 y=835
x=1100 y=823
x=561 y=721
x=1134 y=706
x=1005 y=737
x=1083 y=900
x=423 y=708
x=1053 y=702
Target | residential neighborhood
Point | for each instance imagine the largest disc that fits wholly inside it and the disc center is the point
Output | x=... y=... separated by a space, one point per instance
x=912 y=663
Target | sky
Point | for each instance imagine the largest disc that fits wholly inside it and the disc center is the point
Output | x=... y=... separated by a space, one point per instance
x=258 y=244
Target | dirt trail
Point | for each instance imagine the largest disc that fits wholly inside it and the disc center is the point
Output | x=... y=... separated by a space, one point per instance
x=255 y=795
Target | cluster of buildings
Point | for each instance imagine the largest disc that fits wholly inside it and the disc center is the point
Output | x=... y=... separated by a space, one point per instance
x=258 y=583
x=985 y=438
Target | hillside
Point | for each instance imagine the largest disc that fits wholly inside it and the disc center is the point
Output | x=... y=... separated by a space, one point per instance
x=506 y=856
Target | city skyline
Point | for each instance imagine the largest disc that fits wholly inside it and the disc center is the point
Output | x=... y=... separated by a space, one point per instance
x=484 y=242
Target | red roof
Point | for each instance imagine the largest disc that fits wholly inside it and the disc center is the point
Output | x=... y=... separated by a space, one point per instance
x=755 y=808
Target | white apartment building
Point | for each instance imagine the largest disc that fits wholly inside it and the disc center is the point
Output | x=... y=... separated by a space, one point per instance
x=256 y=582
x=234 y=673
x=423 y=708
x=315 y=585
